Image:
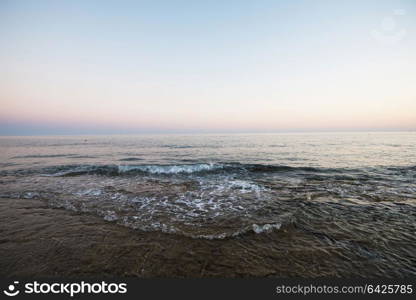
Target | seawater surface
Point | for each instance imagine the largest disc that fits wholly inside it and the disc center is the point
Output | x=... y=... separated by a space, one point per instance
x=352 y=190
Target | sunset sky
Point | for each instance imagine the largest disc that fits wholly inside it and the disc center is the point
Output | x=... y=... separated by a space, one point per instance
x=206 y=66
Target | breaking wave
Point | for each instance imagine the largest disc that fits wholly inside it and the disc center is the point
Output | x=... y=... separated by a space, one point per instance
x=173 y=169
x=75 y=170
x=132 y=169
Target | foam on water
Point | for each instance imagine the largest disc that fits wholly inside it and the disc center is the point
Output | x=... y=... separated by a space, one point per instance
x=210 y=207
x=170 y=169
x=266 y=227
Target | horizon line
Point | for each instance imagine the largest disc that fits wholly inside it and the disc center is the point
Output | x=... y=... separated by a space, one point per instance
x=372 y=130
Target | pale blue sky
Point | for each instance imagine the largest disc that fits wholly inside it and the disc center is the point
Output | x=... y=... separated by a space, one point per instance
x=206 y=66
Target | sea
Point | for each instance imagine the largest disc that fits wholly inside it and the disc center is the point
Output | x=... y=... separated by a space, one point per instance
x=350 y=189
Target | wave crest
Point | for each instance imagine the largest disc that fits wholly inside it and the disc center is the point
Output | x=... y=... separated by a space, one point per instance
x=235 y=167
x=170 y=169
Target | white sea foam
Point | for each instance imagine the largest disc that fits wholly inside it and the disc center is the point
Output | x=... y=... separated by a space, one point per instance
x=174 y=169
x=205 y=206
x=110 y=216
x=266 y=227
x=89 y=192
x=246 y=186
x=232 y=187
x=31 y=195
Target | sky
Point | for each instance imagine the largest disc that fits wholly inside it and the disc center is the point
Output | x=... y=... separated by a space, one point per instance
x=85 y=67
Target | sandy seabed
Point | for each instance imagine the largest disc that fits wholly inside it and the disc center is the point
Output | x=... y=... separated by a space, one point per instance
x=37 y=240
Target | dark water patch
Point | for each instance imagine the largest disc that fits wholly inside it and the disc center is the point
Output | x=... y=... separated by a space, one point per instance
x=187 y=160
x=44 y=156
x=84 y=170
x=177 y=146
x=131 y=159
x=8 y=164
x=83 y=156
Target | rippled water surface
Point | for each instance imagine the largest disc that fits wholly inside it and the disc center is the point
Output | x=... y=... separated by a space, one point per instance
x=355 y=187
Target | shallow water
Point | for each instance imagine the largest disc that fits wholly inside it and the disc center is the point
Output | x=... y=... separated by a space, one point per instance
x=345 y=188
